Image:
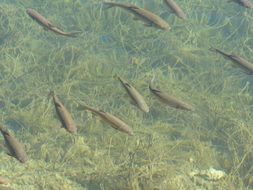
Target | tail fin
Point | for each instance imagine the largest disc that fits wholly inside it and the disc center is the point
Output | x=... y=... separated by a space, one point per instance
x=107 y=5
x=74 y=34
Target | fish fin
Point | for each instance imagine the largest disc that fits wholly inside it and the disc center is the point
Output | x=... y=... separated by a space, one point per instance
x=9 y=154
x=155 y=90
x=50 y=25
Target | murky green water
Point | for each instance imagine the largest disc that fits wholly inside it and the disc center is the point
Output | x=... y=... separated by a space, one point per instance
x=171 y=149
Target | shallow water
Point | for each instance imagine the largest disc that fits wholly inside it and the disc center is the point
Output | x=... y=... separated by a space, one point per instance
x=168 y=144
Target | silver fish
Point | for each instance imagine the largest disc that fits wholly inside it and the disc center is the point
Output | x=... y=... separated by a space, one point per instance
x=149 y=18
x=246 y=65
x=244 y=3
x=170 y=100
x=48 y=25
x=64 y=116
x=16 y=149
x=175 y=8
x=135 y=95
x=115 y=122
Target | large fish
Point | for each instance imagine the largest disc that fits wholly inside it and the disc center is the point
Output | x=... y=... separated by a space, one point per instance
x=175 y=8
x=169 y=99
x=64 y=116
x=47 y=24
x=236 y=59
x=115 y=122
x=135 y=95
x=16 y=149
x=244 y=3
x=149 y=18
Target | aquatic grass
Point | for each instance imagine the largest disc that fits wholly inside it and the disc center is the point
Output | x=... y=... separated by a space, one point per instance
x=81 y=70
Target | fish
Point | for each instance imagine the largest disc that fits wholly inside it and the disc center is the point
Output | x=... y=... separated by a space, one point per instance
x=244 y=3
x=47 y=25
x=16 y=149
x=175 y=8
x=135 y=95
x=149 y=18
x=246 y=65
x=112 y=120
x=63 y=114
x=169 y=99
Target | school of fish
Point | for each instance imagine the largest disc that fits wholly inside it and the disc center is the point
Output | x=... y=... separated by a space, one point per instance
x=17 y=150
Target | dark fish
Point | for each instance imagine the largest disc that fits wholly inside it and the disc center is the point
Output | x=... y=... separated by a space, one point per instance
x=149 y=18
x=47 y=24
x=170 y=100
x=135 y=95
x=115 y=122
x=244 y=3
x=236 y=59
x=175 y=8
x=16 y=149
x=64 y=116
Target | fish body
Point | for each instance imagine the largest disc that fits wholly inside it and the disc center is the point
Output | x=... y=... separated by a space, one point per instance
x=175 y=8
x=236 y=59
x=64 y=116
x=146 y=16
x=16 y=149
x=135 y=95
x=244 y=3
x=170 y=100
x=47 y=24
x=115 y=122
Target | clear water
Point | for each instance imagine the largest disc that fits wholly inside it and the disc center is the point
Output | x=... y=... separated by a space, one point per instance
x=168 y=144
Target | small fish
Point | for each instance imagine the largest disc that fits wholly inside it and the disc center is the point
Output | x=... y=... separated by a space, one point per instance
x=16 y=149
x=64 y=116
x=115 y=122
x=244 y=3
x=47 y=25
x=135 y=95
x=170 y=100
x=175 y=8
x=149 y=18
x=236 y=59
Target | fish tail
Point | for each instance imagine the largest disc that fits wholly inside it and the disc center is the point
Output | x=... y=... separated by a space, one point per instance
x=212 y=49
x=85 y=107
x=50 y=94
x=152 y=82
x=108 y=4
x=3 y=131
x=74 y=34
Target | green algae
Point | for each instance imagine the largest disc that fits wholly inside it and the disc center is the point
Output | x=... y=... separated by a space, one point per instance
x=168 y=143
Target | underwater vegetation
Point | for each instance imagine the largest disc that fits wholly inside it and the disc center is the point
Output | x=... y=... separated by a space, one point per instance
x=209 y=147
